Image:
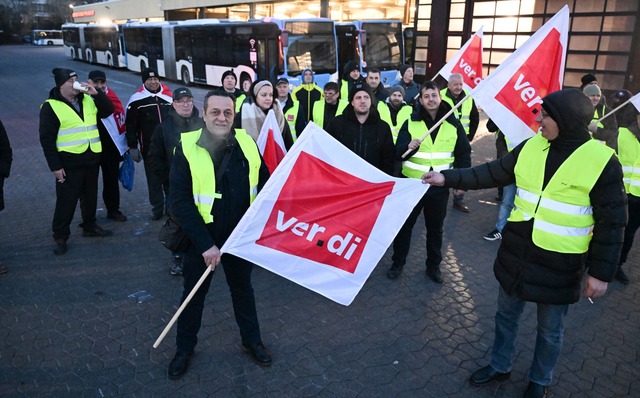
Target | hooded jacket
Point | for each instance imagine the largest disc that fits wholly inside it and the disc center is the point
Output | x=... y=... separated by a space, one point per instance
x=165 y=139
x=521 y=267
x=371 y=140
x=307 y=95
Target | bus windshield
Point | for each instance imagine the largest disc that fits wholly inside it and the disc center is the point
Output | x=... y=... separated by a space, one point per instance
x=383 y=47
x=311 y=45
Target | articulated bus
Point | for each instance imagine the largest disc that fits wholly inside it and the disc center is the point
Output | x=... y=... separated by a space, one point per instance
x=199 y=51
x=374 y=44
x=47 y=37
x=96 y=44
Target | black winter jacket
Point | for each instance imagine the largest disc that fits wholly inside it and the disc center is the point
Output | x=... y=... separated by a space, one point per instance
x=165 y=139
x=523 y=268
x=233 y=186
x=50 y=124
x=142 y=118
x=372 y=140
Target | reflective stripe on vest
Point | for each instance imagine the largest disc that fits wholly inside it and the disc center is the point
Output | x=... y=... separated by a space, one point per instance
x=403 y=115
x=629 y=156
x=562 y=213
x=291 y=115
x=318 y=111
x=76 y=135
x=463 y=113
x=203 y=178
x=436 y=155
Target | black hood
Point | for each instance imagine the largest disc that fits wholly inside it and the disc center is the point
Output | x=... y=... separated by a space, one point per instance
x=573 y=112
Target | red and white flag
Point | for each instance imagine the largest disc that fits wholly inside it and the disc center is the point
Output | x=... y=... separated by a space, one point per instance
x=325 y=217
x=115 y=123
x=270 y=142
x=635 y=100
x=512 y=94
x=467 y=62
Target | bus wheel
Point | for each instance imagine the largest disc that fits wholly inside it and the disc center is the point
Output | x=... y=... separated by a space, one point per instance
x=49 y=43
x=186 y=78
x=142 y=66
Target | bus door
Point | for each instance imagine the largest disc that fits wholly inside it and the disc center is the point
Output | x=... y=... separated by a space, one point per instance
x=267 y=52
x=347 y=45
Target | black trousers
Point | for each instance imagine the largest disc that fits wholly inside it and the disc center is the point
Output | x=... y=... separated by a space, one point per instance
x=238 y=274
x=632 y=226
x=110 y=166
x=434 y=207
x=156 y=189
x=81 y=183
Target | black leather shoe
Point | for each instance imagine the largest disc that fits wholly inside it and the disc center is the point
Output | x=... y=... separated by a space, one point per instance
x=621 y=276
x=117 y=216
x=259 y=353
x=179 y=365
x=486 y=375
x=394 y=272
x=460 y=206
x=60 y=247
x=535 y=390
x=434 y=274
x=96 y=232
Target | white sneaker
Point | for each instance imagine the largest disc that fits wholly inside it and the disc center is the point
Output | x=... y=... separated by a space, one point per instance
x=493 y=235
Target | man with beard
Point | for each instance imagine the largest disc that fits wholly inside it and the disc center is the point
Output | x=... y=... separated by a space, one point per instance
x=361 y=130
x=394 y=110
x=146 y=109
x=216 y=173
x=183 y=117
x=379 y=93
x=557 y=232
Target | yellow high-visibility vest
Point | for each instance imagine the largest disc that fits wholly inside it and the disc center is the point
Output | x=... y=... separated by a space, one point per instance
x=76 y=135
x=436 y=155
x=403 y=115
x=318 y=111
x=629 y=156
x=463 y=113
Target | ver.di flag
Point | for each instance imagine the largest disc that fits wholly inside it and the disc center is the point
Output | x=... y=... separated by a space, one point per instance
x=512 y=94
x=635 y=100
x=270 y=142
x=325 y=217
x=467 y=62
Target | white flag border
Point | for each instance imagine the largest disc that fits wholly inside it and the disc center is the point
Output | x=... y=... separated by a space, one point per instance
x=448 y=67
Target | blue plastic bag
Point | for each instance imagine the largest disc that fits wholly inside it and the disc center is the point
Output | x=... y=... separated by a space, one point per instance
x=127 y=172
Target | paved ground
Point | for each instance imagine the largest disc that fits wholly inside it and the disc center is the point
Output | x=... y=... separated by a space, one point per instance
x=68 y=327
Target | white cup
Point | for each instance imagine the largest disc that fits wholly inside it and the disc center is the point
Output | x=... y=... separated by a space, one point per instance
x=80 y=87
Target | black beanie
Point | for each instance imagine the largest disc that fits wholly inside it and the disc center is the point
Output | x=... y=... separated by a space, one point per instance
x=148 y=73
x=228 y=73
x=350 y=66
x=403 y=69
x=588 y=78
x=360 y=87
x=61 y=75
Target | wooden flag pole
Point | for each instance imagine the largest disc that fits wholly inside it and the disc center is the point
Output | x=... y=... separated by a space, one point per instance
x=182 y=307
x=435 y=126
x=617 y=108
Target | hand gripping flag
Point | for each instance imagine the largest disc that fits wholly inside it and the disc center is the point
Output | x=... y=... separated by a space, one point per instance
x=325 y=217
x=115 y=123
x=467 y=62
x=270 y=142
x=511 y=96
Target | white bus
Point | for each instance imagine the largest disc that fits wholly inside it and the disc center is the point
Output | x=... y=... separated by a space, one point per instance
x=47 y=37
x=96 y=44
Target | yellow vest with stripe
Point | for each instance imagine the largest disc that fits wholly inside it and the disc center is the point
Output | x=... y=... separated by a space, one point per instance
x=629 y=156
x=562 y=213
x=597 y=117
x=76 y=135
x=318 y=111
x=436 y=155
x=403 y=115
x=203 y=176
x=291 y=115
x=463 y=113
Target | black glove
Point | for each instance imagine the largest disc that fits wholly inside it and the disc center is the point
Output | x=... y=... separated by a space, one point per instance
x=135 y=155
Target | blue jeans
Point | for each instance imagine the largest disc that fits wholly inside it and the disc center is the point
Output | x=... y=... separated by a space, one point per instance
x=508 y=196
x=548 y=340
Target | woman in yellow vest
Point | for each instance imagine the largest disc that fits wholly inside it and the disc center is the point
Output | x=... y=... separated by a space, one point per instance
x=569 y=216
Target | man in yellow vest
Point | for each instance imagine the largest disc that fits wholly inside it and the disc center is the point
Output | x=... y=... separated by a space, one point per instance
x=569 y=216
x=216 y=173
x=394 y=110
x=629 y=155
x=446 y=147
x=293 y=112
x=469 y=117
x=71 y=143
x=330 y=106
x=307 y=93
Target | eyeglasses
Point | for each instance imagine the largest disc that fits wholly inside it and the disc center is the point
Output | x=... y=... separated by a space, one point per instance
x=184 y=102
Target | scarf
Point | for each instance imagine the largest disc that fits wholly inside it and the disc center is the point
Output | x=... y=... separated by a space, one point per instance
x=253 y=117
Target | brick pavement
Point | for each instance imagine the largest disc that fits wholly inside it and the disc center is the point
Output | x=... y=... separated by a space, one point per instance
x=69 y=329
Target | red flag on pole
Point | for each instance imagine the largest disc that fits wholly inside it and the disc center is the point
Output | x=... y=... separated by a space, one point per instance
x=270 y=142
x=467 y=62
x=511 y=95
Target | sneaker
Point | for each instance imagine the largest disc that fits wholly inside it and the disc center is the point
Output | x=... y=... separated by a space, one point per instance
x=176 y=269
x=493 y=235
